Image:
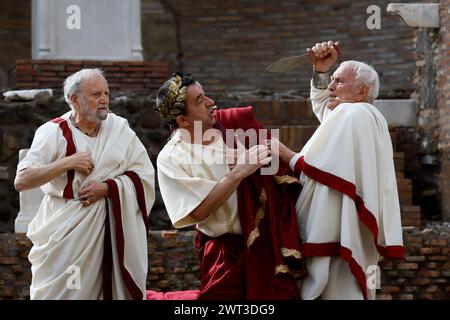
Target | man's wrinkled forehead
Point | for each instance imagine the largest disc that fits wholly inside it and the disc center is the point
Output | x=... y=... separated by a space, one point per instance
x=95 y=79
x=344 y=72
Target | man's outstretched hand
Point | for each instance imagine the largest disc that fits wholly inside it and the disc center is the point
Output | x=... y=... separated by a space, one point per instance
x=279 y=150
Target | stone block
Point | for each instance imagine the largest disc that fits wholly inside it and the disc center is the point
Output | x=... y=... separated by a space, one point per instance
x=157 y=270
x=383 y=296
x=398 y=112
x=152 y=277
x=27 y=95
x=169 y=243
x=164 y=284
x=169 y=234
x=406 y=296
x=156 y=263
x=432 y=289
x=391 y=273
x=390 y=289
x=4 y=174
x=428 y=251
x=446 y=273
x=415 y=258
x=437 y=258
x=440 y=281
x=423 y=15
x=411 y=289
x=429 y=273
x=421 y=281
x=8 y=292
x=425 y=296
x=439 y=242
x=179 y=269
x=406 y=274
x=407 y=266
x=8 y=260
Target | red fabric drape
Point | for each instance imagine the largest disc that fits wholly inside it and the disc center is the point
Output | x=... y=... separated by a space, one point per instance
x=222 y=267
x=263 y=262
x=70 y=150
x=116 y=211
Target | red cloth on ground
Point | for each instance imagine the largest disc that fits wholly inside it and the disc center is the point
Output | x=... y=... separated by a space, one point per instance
x=173 y=295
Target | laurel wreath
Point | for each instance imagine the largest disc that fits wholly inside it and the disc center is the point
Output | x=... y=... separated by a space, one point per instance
x=173 y=104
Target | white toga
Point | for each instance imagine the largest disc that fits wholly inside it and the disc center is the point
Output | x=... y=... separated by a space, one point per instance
x=351 y=146
x=68 y=238
x=186 y=174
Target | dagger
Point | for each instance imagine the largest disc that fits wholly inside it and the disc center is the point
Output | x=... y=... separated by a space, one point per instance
x=289 y=63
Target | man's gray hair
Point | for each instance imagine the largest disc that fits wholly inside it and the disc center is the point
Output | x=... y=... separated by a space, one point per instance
x=365 y=75
x=73 y=82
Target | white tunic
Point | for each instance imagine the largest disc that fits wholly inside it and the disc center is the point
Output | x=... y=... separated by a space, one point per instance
x=186 y=175
x=67 y=237
x=351 y=146
x=50 y=145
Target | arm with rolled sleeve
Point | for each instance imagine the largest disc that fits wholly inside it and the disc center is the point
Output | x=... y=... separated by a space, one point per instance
x=319 y=100
x=44 y=160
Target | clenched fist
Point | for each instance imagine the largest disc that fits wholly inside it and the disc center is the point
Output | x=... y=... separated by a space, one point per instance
x=81 y=162
x=323 y=55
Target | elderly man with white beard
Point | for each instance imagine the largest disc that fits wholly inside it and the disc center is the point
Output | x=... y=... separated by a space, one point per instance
x=90 y=233
x=348 y=212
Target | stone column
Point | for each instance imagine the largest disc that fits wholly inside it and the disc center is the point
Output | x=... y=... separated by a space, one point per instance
x=41 y=31
x=86 y=30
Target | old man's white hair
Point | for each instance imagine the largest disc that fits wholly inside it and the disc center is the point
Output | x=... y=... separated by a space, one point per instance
x=365 y=75
x=73 y=82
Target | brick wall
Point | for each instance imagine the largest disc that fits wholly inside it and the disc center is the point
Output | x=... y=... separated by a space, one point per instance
x=425 y=272
x=159 y=33
x=228 y=44
x=173 y=261
x=15 y=35
x=174 y=265
x=121 y=75
x=15 y=269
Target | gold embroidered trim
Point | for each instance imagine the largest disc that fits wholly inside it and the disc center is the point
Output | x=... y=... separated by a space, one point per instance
x=282 y=268
x=286 y=179
x=259 y=215
x=226 y=208
x=291 y=253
